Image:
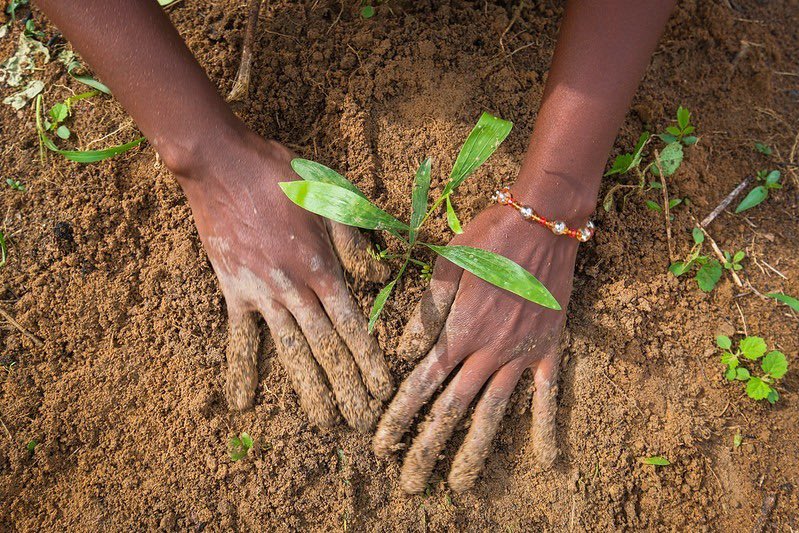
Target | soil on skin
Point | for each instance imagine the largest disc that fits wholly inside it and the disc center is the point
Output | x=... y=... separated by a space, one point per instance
x=125 y=395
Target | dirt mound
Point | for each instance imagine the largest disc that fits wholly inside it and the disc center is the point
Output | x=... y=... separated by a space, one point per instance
x=124 y=397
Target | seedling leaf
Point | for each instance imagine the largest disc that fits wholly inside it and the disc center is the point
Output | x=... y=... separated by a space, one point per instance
x=683 y=118
x=421 y=189
x=742 y=374
x=708 y=275
x=790 y=301
x=670 y=159
x=774 y=364
x=724 y=342
x=313 y=171
x=499 y=271
x=699 y=236
x=763 y=148
x=757 y=389
x=239 y=446
x=657 y=460
x=483 y=140
x=752 y=347
x=367 y=12
x=340 y=204
x=380 y=301
x=755 y=197
x=452 y=219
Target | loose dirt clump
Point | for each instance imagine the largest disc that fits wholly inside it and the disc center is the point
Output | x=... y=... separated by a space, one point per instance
x=125 y=397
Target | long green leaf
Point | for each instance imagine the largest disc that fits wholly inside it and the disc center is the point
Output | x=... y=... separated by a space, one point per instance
x=790 y=301
x=339 y=204
x=313 y=171
x=86 y=79
x=499 y=271
x=2 y=249
x=380 y=301
x=755 y=197
x=452 y=219
x=421 y=190
x=484 y=139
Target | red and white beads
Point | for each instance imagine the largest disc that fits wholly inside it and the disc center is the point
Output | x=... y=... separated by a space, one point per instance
x=558 y=227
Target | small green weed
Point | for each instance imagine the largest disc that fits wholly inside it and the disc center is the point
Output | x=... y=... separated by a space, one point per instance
x=15 y=184
x=369 y=7
x=770 y=179
x=737 y=439
x=325 y=192
x=790 y=301
x=709 y=271
x=741 y=366
x=763 y=148
x=3 y=249
x=238 y=447
x=733 y=262
x=31 y=446
x=682 y=131
x=656 y=460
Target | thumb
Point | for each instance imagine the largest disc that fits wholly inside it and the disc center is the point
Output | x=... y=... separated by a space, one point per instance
x=431 y=313
x=354 y=252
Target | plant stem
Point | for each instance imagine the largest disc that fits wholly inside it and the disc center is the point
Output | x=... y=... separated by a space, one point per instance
x=665 y=191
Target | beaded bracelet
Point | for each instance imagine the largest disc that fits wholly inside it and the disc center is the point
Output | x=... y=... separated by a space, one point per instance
x=558 y=227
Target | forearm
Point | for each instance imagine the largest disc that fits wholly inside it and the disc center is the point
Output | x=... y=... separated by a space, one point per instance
x=603 y=50
x=136 y=51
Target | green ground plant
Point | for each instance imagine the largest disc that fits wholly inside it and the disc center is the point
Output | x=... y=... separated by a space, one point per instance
x=790 y=301
x=239 y=447
x=325 y=192
x=15 y=184
x=770 y=179
x=3 y=249
x=709 y=270
x=733 y=261
x=742 y=364
x=656 y=460
x=763 y=148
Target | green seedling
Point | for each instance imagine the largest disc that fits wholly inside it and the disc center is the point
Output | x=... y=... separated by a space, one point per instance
x=733 y=262
x=709 y=271
x=790 y=301
x=31 y=31
x=325 y=192
x=368 y=8
x=771 y=180
x=12 y=7
x=741 y=366
x=682 y=131
x=737 y=439
x=3 y=249
x=238 y=447
x=654 y=206
x=31 y=446
x=15 y=184
x=763 y=148
x=656 y=460
x=79 y=156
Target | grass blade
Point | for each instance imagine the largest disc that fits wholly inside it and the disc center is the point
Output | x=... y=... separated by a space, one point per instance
x=790 y=301
x=499 y=271
x=421 y=190
x=452 y=219
x=2 y=249
x=313 y=171
x=92 y=156
x=380 y=301
x=484 y=139
x=340 y=204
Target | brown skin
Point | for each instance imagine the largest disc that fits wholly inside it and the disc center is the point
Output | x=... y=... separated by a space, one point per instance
x=280 y=261
x=488 y=336
x=270 y=257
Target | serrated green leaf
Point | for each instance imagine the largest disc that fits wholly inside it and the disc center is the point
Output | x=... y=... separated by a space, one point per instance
x=730 y=374
x=340 y=204
x=621 y=165
x=729 y=359
x=673 y=130
x=723 y=342
x=678 y=268
x=452 y=219
x=59 y=112
x=752 y=347
x=708 y=275
x=483 y=140
x=773 y=396
x=755 y=197
x=683 y=117
x=246 y=440
x=499 y=271
x=689 y=140
x=657 y=460
x=666 y=137
x=313 y=171
x=670 y=159
x=380 y=302
x=698 y=235
x=775 y=364
x=757 y=389
x=741 y=374
x=790 y=301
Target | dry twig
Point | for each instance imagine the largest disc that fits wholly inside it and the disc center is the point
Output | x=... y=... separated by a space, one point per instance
x=241 y=87
x=36 y=340
x=724 y=203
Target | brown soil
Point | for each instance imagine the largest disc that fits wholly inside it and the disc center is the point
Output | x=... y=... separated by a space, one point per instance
x=126 y=394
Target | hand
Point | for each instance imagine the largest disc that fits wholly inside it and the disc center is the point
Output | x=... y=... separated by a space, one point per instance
x=276 y=259
x=494 y=335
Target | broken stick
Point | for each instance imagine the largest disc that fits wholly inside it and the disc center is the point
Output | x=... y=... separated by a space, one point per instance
x=241 y=87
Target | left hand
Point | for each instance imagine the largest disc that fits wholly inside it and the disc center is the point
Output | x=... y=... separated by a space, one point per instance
x=494 y=335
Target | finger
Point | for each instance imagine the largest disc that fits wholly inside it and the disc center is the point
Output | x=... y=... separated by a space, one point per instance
x=354 y=252
x=338 y=364
x=304 y=373
x=351 y=324
x=431 y=313
x=242 y=359
x=486 y=419
x=545 y=407
x=440 y=423
x=414 y=392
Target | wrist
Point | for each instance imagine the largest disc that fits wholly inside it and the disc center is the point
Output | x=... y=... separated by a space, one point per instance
x=558 y=195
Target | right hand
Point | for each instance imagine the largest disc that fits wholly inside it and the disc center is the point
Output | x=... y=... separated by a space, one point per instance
x=282 y=262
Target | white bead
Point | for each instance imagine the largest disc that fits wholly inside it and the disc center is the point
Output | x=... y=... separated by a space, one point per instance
x=559 y=228
x=526 y=212
x=590 y=225
x=584 y=234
